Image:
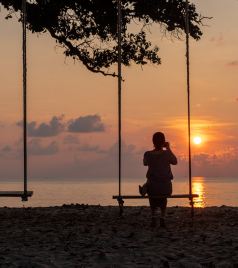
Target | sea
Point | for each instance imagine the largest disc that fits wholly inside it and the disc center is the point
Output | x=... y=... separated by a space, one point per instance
x=211 y=191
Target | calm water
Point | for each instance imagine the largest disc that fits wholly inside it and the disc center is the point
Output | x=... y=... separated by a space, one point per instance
x=212 y=192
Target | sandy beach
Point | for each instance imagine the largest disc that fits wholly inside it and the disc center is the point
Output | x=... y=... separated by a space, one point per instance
x=94 y=236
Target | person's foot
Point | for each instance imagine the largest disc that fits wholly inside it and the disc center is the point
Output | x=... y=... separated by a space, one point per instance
x=162 y=222
x=142 y=190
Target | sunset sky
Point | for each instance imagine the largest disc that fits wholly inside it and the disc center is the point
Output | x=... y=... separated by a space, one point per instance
x=73 y=113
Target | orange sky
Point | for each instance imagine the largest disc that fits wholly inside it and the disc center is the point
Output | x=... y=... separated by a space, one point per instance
x=154 y=99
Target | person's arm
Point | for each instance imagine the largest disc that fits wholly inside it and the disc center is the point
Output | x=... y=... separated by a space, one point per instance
x=145 y=160
x=172 y=158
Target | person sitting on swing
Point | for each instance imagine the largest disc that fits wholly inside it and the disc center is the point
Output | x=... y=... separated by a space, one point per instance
x=159 y=176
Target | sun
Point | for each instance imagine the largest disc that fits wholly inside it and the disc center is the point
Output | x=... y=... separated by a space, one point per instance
x=197 y=140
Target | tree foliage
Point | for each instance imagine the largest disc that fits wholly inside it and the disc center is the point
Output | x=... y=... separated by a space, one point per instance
x=87 y=29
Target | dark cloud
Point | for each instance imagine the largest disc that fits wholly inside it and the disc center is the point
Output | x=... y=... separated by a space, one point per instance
x=85 y=124
x=233 y=63
x=70 y=139
x=82 y=124
x=35 y=147
x=53 y=128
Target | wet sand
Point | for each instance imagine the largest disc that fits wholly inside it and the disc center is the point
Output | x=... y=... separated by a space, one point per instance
x=94 y=236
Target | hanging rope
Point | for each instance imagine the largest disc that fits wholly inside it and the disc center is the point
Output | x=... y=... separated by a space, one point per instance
x=119 y=91
x=24 y=63
x=188 y=103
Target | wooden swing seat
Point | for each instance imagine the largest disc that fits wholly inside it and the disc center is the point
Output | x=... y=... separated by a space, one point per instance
x=22 y=194
x=121 y=197
x=159 y=196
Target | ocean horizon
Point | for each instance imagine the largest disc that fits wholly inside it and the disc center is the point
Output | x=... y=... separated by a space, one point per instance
x=51 y=192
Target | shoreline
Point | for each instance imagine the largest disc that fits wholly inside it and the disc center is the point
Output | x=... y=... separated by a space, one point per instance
x=94 y=236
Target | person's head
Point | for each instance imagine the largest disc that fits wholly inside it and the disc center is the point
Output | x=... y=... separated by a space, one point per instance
x=158 y=140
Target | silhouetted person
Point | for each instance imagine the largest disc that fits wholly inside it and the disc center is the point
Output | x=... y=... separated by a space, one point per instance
x=159 y=176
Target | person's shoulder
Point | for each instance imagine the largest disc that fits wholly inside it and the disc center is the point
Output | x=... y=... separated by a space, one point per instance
x=148 y=152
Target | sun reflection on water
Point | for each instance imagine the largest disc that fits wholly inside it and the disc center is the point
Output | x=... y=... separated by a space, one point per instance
x=198 y=188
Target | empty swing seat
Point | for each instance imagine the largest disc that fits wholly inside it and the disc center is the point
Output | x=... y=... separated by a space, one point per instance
x=22 y=194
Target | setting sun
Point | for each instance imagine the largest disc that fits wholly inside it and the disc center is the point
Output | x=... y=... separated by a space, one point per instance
x=197 y=140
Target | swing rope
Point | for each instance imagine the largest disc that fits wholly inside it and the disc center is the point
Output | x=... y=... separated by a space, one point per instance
x=24 y=65
x=119 y=90
x=188 y=105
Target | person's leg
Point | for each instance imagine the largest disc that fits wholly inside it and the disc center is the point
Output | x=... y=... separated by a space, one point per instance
x=163 y=206
x=154 y=211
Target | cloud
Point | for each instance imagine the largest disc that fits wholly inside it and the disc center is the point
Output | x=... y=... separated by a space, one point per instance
x=70 y=139
x=85 y=124
x=233 y=63
x=127 y=149
x=53 y=128
x=208 y=165
x=82 y=124
x=91 y=148
x=74 y=145
x=106 y=166
x=35 y=147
